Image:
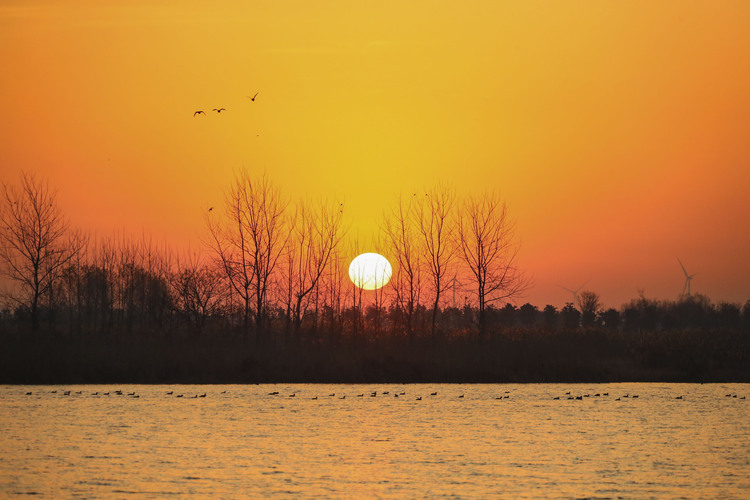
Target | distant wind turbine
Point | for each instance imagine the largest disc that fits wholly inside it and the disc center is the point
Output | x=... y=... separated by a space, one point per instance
x=575 y=292
x=455 y=282
x=688 y=277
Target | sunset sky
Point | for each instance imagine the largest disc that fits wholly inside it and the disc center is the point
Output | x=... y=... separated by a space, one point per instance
x=617 y=132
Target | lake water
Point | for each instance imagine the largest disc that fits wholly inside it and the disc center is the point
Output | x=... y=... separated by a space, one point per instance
x=239 y=441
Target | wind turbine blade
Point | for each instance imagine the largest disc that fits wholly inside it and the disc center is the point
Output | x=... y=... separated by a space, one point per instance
x=683 y=267
x=583 y=285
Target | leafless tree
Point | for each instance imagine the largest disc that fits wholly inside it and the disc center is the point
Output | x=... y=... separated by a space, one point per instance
x=401 y=234
x=250 y=240
x=36 y=242
x=434 y=214
x=315 y=235
x=486 y=237
x=198 y=289
x=589 y=305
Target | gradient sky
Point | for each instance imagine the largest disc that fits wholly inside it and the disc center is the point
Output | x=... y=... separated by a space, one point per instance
x=618 y=132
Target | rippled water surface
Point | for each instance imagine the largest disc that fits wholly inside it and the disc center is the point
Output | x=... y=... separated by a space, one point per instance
x=241 y=441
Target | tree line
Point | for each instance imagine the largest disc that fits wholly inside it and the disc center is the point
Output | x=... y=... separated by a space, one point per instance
x=272 y=276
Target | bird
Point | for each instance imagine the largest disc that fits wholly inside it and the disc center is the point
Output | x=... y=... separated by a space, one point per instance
x=433 y=394
x=419 y=398
x=28 y=394
x=274 y=393
x=199 y=112
x=170 y=393
x=253 y=97
x=219 y=110
x=179 y=396
x=461 y=396
x=202 y=395
x=209 y=209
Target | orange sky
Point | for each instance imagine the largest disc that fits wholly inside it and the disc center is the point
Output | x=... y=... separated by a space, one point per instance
x=618 y=132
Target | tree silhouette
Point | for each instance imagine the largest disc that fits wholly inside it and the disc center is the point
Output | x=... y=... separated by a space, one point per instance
x=249 y=242
x=485 y=233
x=315 y=235
x=571 y=316
x=400 y=231
x=435 y=212
x=589 y=305
x=36 y=242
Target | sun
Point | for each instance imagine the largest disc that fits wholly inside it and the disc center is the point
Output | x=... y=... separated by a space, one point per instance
x=370 y=271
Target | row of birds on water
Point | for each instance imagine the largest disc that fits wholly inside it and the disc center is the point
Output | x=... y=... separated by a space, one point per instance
x=119 y=393
x=506 y=395
x=219 y=110
x=361 y=395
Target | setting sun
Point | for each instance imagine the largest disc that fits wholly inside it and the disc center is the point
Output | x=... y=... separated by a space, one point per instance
x=370 y=271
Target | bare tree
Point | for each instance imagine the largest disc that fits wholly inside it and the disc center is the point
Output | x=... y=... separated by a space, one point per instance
x=403 y=244
x=249 y=241
x=589 y=305
x=315 y=236
x=434 y=214
x=36 y=242
x=198 y=290
x=486 y=237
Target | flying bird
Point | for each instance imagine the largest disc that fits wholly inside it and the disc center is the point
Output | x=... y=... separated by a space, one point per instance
x=211 y=208
x=219 y=110
x=253 y=97
x=199 y=113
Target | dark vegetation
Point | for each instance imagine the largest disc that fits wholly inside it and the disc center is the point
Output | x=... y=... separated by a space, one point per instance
x=645 y=341
x=270 y=301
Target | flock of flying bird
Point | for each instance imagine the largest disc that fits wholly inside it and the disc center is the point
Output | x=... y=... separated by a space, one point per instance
x=402 y=394
x=219 y=110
